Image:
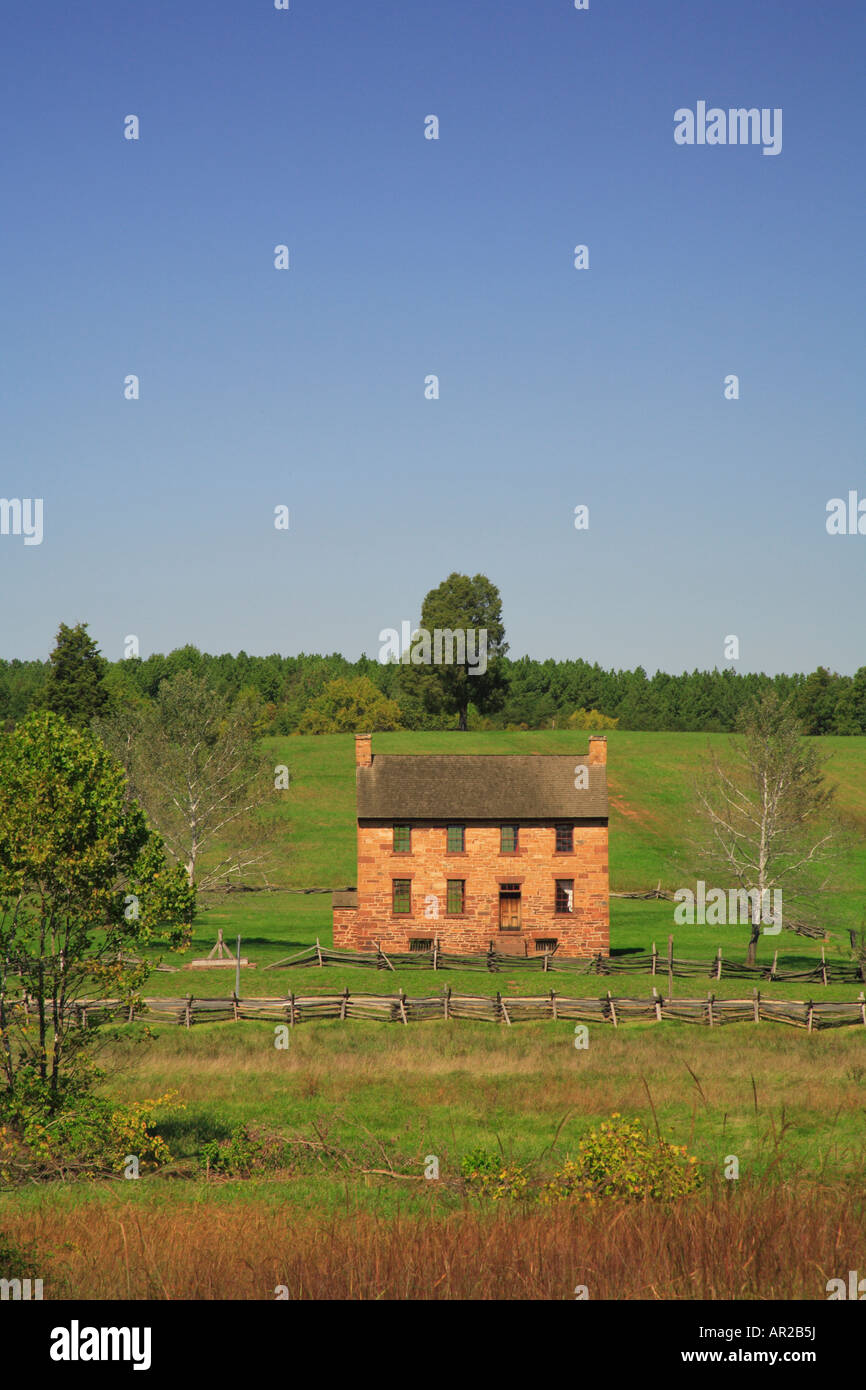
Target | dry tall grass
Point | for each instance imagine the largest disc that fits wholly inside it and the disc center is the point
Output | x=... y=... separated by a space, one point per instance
x=781 y=1243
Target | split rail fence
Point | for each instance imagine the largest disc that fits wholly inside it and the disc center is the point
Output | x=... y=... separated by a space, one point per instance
x=644 y=963
x=400 y=1008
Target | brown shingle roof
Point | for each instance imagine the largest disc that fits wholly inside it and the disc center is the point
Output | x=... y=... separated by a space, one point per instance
x=480 y=786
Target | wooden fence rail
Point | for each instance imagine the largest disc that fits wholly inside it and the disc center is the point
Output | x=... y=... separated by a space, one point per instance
x=400 y=1008
x=642 y=963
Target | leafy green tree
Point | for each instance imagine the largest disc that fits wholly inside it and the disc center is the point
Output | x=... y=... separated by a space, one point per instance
x=465 y=605
x=75 y=686
x=815 y=702
x=83 y=881
x=21 y=683
x=350 y=706
x=858 y=698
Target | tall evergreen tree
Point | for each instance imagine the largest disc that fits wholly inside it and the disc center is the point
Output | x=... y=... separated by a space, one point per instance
x=75 y=687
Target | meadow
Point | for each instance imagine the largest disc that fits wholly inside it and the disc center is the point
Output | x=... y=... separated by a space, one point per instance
x=363 y=1106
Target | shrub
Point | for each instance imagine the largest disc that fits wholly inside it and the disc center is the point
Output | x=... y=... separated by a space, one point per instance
x=247 y=1151
x=86 y=1134
x=15 y=1263
x=488 y=1174
x=620 y=1159
x=590 y=719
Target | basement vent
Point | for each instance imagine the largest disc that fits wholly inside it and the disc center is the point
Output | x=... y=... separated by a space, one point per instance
x=420 y=943
x=546 y=943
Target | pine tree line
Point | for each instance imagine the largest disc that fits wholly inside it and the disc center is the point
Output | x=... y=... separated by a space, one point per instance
x=540 y=694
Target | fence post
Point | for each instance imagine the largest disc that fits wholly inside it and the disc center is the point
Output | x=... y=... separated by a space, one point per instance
x=553 y=1005
x=809 y=1016
x=235 y=1005
x=756 y=1003
x=773 y=966
x=403 y=1006
x=292 y=1009
x=546 y=961
x=719 y=964
x=823 y=966
x=501 y=1004
x=344 y=1002
x=189 y=1010
x=710 y=998
x=862 y=999
x=612 y=1009
x=670 y=967
x=655 y=958
x=447 y=994
x=658 y=1006
x=435 y=953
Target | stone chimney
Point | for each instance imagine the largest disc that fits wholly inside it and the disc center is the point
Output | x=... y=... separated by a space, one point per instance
x=597 y=750
x=364 y=750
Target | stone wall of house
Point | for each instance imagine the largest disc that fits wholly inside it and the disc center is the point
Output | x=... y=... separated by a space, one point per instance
x=535 y=866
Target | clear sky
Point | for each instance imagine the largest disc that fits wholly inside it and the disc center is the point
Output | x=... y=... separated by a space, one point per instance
x=409 y=257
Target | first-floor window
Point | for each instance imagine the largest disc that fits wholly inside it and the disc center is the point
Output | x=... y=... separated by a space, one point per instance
x=456 y=894
x=565 y=895
x=402 y=896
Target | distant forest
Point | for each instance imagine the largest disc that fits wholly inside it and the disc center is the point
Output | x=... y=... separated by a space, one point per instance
x=539 y=694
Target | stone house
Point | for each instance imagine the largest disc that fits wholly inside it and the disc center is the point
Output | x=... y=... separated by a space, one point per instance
x=474 y=849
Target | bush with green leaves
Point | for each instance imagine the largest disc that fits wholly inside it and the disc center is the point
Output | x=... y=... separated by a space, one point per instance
x=86 y=1135
x=622 y=1160
x=15 y=1263
x=490 y=1175
x=247 y=1151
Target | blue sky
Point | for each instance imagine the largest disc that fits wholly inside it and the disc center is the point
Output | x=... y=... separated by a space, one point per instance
x=409 y=257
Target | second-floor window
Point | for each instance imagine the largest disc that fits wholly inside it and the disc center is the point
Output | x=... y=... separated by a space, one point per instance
x=508 y=839
x=402 y=839
x=456 y=839
x=564 y=839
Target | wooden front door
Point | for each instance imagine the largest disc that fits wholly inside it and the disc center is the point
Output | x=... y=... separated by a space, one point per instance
x=509 y=909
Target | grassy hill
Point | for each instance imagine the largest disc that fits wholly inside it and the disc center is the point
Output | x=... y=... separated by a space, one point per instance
x=650 y=778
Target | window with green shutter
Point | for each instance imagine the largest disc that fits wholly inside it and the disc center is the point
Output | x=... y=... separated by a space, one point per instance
x=402 y=839
x=402 y=895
